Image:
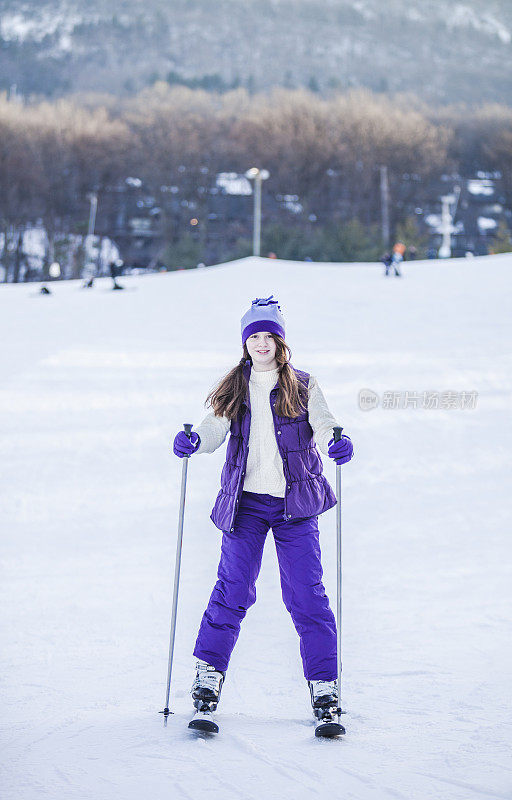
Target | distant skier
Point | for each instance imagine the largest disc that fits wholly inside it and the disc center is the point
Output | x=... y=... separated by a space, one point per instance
x=115 y=269
x=88 y=274
x=395 y=258
x=272 y=478
x=386 y=260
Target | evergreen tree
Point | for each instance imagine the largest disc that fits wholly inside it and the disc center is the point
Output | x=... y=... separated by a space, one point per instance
x=502 y=241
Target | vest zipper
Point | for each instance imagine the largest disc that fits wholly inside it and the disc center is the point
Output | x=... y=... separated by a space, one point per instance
x=242 y=474
x=285 y=468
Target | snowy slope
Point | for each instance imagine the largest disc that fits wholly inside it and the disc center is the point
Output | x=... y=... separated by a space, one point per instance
x=95 y=385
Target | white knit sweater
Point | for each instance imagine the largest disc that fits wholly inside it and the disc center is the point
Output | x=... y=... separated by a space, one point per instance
x=264 y=473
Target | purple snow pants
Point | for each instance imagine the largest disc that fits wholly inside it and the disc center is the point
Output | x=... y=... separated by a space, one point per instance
x=298 y=553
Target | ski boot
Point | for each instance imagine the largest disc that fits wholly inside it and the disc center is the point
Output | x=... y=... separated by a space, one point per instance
x=324 y=701
x=205 y=692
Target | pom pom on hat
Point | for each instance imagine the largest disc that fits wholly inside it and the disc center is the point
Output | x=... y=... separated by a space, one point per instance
x=263 y=315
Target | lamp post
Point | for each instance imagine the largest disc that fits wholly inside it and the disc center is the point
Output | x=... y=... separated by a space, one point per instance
x=93 y=199
x=384 y=199
x=257 y=175
x=447 y=217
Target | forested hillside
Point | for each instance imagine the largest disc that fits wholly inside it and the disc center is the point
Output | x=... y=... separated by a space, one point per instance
x=443 y=51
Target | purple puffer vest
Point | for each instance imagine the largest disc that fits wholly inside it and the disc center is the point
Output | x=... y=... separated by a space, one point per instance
x=307 y=492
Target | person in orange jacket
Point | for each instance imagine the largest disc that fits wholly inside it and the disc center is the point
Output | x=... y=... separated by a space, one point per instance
x=397 y=256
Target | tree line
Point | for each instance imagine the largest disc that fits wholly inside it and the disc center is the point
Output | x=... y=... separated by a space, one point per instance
x=328 y=152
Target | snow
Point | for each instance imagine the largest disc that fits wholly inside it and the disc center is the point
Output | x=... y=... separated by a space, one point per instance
x=486 y=224
x=24 y=26
x=35 y=242
x=290 y=201
x=463 y=16
x=35 y=246
x=364 y=10
x=96 y=383
x=436 y=223
x=481 y=186
x=233 y=183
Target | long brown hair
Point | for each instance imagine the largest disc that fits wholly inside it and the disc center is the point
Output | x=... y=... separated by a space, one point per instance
x=226 y=398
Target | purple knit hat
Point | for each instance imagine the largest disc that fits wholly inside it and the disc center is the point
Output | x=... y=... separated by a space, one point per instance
x=263 y=315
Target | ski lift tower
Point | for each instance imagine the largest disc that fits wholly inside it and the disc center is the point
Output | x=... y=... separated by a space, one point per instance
x=449 y=209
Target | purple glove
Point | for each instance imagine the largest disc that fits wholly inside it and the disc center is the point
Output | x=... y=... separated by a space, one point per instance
x=341 y=451
x=183 y=446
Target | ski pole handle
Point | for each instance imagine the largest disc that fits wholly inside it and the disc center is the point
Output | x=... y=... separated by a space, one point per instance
x=187 y=427
x=337 y=433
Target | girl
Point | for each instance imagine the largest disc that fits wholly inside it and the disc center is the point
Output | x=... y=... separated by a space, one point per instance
x=272 y=478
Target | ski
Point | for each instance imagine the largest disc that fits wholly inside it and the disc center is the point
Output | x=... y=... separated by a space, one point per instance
x=327 y=722
x=203 y=720
x=329 y=728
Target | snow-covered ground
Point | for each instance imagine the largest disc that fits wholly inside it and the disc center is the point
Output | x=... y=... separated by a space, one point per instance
x=94 y=386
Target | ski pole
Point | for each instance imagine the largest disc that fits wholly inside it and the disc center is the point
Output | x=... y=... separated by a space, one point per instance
x=188 y=429
x=337 y=437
